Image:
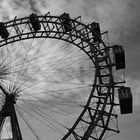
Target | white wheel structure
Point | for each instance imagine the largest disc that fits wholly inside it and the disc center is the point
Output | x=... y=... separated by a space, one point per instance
x=56 y=80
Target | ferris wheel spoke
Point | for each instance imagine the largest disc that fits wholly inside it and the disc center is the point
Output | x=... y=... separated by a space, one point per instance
x=9 y=63
x=62 y=99
x=51 y=84
x=17 y=66
x=25 y=68
x=28 y=124
x=54 y=103
x=66 y=60
x=34 y=111
x=54 y=83
x=30 y=72
x=11 y=52
x=41 y=112
x=27 y=85
x=60 y=69
x=29 y=61
x=59 y=108
x=55 y=95
x=47 y=108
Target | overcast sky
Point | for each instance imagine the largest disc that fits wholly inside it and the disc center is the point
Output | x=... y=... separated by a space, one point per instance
x=120 y=17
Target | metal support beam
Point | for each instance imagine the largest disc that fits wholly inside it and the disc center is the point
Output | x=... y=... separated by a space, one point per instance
x=9 y=111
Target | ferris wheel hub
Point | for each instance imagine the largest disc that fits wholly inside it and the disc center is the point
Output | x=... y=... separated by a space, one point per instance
x=12 y=98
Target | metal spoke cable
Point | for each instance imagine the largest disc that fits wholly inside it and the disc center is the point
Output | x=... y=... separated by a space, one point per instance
x=28 y=86
x=49 y=109
x=43 y=101
x=63 y=61
x=26 y=55
x=29 y=62
x=42 y=122
x=8 y=55
x=52 y=52
x=61 y=102
x=44 y=115
x=14 y=69
x=55 y=96
x=28 y=124
x=58 y=54
x=58 y=97
x=67 y=78
x=63 y=89
x=61 y=98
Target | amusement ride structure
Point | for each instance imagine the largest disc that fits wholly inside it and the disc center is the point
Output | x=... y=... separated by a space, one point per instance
x=58 y=80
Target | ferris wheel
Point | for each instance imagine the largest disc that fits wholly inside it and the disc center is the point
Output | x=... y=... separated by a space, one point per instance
x=57 y=80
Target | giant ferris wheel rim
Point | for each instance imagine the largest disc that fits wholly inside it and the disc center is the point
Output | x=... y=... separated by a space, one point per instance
x=85 y=44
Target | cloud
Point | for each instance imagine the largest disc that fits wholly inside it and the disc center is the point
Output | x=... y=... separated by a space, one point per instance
x=119 y=17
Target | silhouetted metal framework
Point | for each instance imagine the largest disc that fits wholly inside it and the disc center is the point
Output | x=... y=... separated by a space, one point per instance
x=93 y=121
